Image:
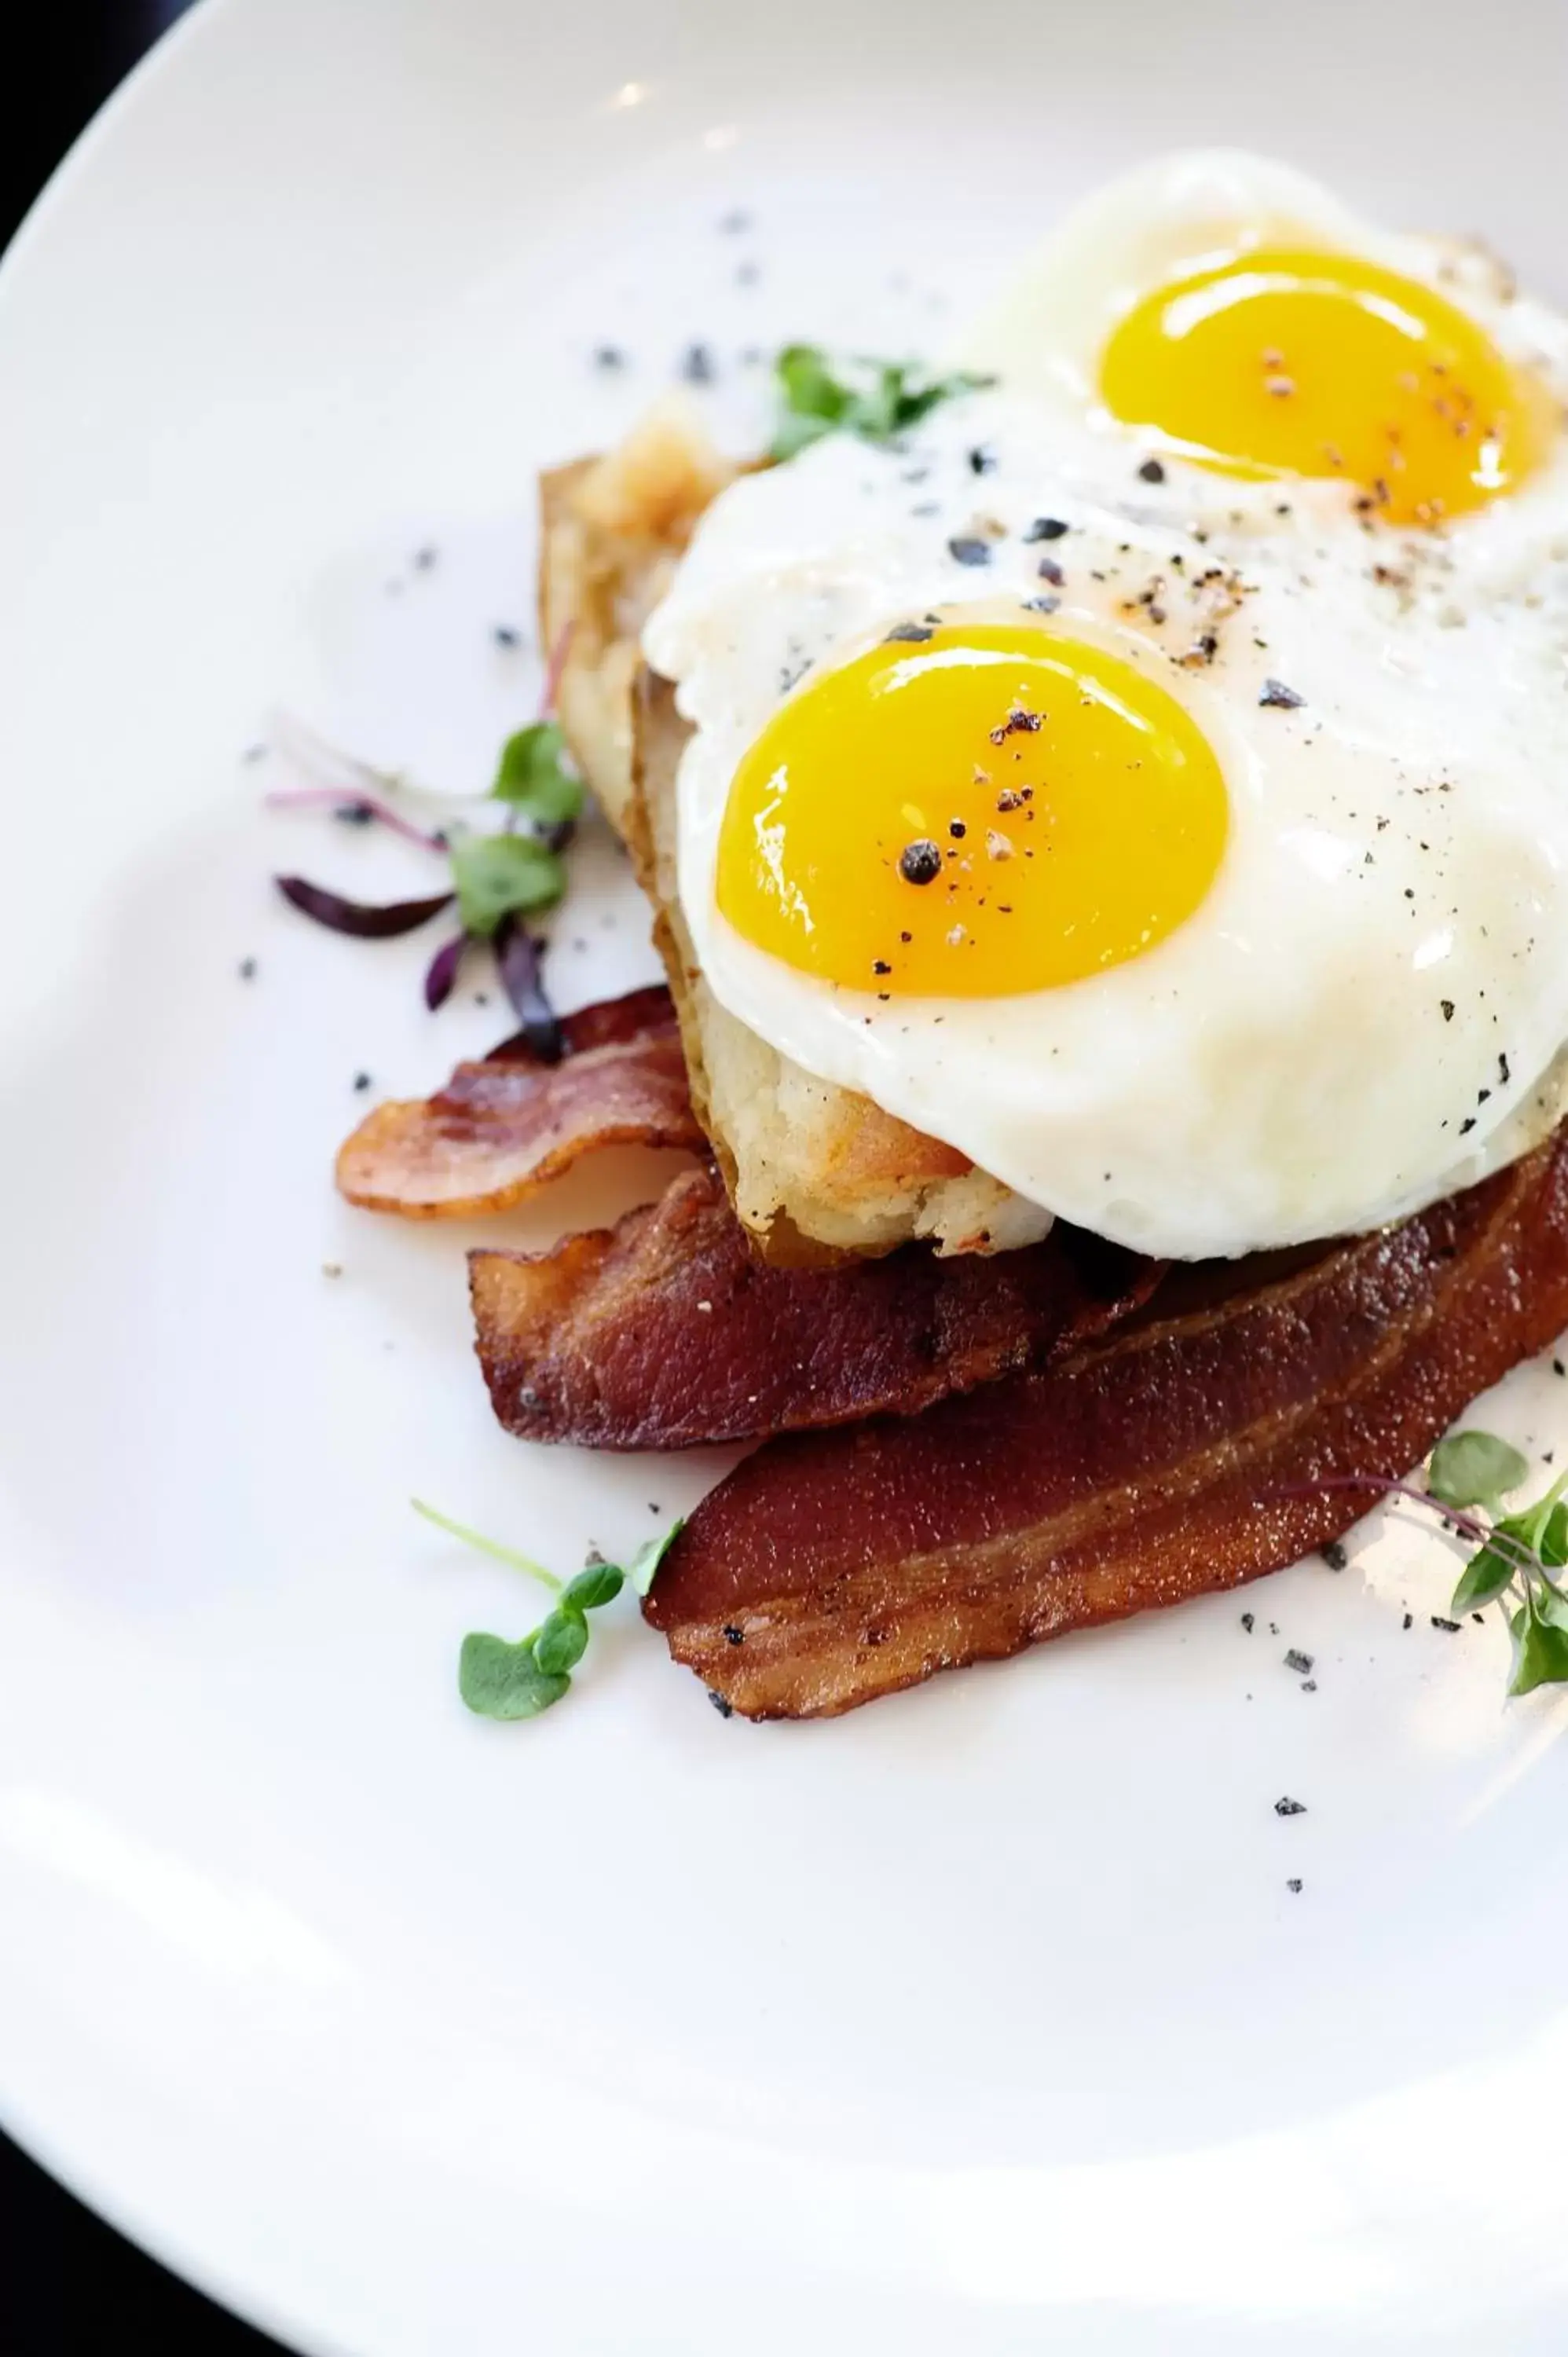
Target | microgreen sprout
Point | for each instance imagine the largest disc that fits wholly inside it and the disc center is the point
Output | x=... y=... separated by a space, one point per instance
x=497 y=879
x=498 y=1678
x=1514 y=1555
x=876 y=399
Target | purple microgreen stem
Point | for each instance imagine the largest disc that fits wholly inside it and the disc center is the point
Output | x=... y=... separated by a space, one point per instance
x=516 y=960
x=333 y=798
x=362 y=920
x=441 y=974
x=1467 y=1525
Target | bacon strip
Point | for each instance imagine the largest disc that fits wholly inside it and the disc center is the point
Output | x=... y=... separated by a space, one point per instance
x=668 y=1331
x=501 y=1129
x=833 y=1568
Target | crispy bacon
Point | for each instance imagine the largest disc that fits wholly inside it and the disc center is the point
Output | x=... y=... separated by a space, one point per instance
x=1176 y=1455
x=668 y=1331
x=503 y=1128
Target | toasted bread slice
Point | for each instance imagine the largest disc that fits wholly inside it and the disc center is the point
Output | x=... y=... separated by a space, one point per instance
x=814 y=1171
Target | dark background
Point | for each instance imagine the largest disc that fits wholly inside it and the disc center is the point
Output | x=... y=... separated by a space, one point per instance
x=70 y=2287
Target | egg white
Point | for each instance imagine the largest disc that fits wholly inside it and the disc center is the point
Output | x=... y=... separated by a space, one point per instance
x=1366 y=1011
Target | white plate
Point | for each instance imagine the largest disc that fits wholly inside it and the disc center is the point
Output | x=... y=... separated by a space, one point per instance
x=980 y=2020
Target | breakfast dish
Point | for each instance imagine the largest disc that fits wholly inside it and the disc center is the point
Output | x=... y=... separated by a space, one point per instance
x=299 y=1949
x=1098 y=810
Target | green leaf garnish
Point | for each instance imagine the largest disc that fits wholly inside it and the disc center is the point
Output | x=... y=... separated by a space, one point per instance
x=1540 y=1650
x=595 y=1584
x=1475 y=1468
x=812 y=400
x=560 y=1644
x=1552 y=1545
x=500 y=1680
x=876 y=399
x=1515 y=1555
x=1550 y=1607
x=532 y=776
x=499 y=876
x=1487 y=1574
x=640 y=1570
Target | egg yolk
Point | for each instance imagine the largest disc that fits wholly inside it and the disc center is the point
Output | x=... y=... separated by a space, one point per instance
x=1278 y=362
x=970 y=810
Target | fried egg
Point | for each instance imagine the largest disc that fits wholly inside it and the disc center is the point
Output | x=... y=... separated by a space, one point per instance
x=1231 y=318
x=1197 y=879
